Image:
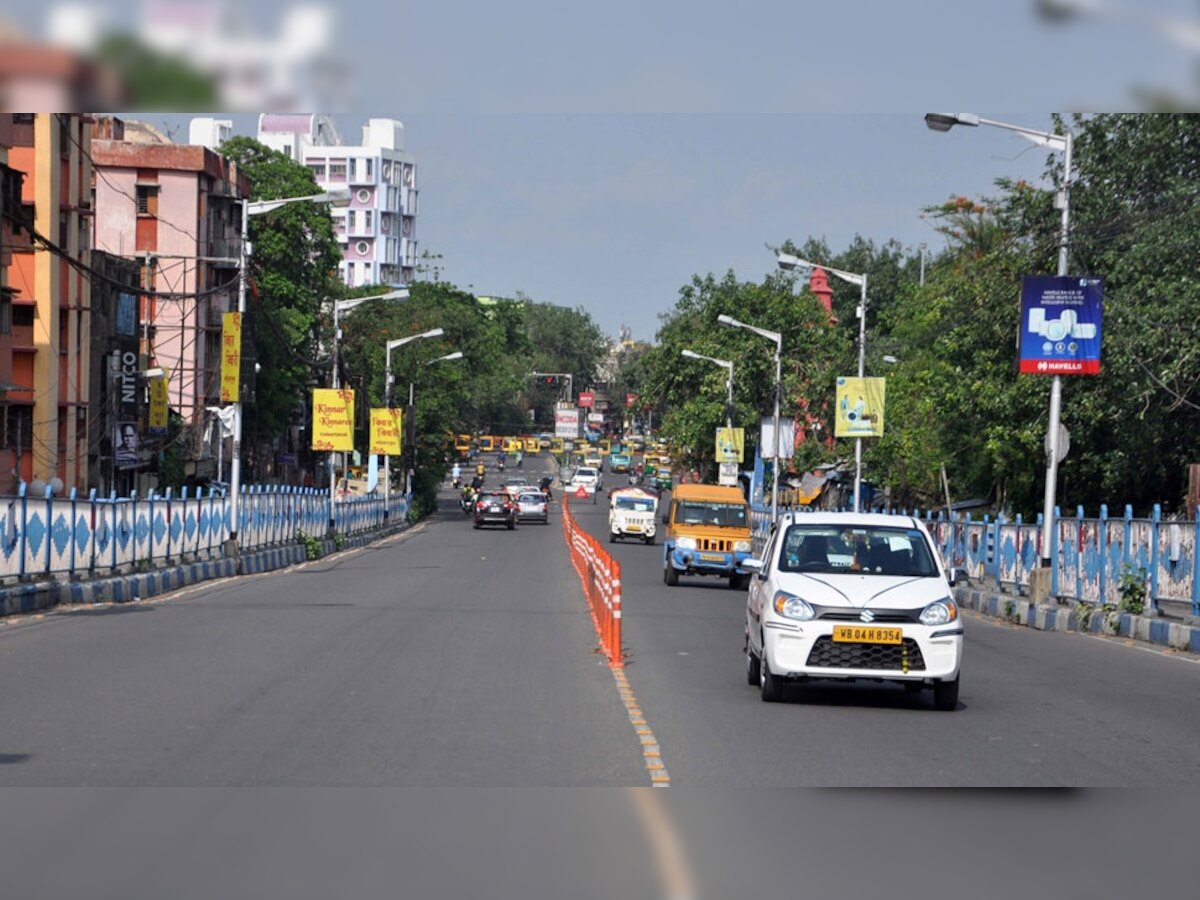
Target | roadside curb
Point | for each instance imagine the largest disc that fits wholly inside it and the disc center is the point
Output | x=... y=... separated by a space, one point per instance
x=1084 y=618
x=38 y=596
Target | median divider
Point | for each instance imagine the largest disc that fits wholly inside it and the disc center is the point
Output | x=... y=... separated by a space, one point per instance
x=601 y=577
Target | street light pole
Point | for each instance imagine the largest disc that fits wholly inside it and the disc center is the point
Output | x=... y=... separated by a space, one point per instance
x=387 y=368
x=775 y=336
x=1064 y=144
x=727 y=365
x=254 y=208
x=788 y=263
x=347 y=305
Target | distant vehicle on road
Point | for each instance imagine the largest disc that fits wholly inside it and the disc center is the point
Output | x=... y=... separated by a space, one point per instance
x=533 y=506
x=852 y=596
x=495 y=508
x=708 y=533
x=632 y=512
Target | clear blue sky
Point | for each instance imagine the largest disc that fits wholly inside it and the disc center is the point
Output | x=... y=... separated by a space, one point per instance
x=601 y=155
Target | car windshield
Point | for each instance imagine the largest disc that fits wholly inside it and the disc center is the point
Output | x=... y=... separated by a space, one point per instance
x=585 y=473
x=727 y=515
x=864 y=550
x=635 y=504
x=539 y=499
x=493 y=498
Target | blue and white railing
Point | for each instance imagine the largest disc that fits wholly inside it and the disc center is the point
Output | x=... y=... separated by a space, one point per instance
x=80 y=535
x=1091 y=555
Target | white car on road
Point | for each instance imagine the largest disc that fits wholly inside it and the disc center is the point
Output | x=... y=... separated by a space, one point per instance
x=853 y=597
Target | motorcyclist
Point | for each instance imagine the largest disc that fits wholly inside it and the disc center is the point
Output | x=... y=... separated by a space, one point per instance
x=501 y=460
x=477 y=482
x=456 y=474
x=467 y=498
x=520 y=458
x=544 y=486
x=480 y=471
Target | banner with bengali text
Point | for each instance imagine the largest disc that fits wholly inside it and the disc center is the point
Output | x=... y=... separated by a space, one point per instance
x=385 y=431
x=158 y=404
x=231 y=357
x=333 y=419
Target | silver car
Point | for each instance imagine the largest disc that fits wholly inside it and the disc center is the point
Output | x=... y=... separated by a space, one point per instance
x=532 y=506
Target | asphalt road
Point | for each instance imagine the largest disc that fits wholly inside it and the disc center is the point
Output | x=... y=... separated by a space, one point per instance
x=1037 y=708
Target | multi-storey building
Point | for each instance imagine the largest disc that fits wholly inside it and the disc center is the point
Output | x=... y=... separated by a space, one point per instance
x=49 y=288
x=10 y=208
x=377 y=231
x=176 y=209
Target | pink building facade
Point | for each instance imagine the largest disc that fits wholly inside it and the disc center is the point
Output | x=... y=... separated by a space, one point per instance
x=177 y=210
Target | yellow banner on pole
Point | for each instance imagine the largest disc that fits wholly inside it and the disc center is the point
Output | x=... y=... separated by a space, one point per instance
x=231 y=357
x=158 y=403
x=385 y=431
x=731 y=445
x=333 y=419
x=860 y=407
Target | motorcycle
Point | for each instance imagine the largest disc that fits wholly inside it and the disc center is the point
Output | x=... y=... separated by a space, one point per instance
x=467 y=500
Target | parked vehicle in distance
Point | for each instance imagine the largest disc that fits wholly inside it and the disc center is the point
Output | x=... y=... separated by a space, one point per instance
x=632 y=512
x=708 y=533
x=587 y=479
x=515 y=486
x=852 y=597
x=495 y=508
x=533 y=506
x=618 y=462
x=592 y=457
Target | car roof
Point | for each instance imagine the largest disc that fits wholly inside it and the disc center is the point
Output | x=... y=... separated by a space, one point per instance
x=850 y=519
x=716 y=493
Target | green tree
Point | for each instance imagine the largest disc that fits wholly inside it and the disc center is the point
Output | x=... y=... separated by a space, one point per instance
x=292 y=273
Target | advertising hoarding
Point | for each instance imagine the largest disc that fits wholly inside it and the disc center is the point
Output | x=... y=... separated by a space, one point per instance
x=1060 y=324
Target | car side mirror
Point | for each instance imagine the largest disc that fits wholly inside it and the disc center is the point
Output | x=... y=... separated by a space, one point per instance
x=754 y=565
x=954 y=576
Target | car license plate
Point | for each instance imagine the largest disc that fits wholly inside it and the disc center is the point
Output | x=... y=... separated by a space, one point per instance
x=714 y=557
x=862 y=634
x=633 y=527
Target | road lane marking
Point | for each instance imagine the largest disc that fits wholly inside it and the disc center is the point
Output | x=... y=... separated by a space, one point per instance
x=651 y=751
x=666 y=848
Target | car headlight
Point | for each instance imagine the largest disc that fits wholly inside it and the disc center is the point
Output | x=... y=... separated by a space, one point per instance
x=686 y=543
x=741 y=546
x=792 y=607
x=941 y=612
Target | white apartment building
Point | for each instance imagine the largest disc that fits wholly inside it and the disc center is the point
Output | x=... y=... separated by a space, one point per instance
x=377 y=231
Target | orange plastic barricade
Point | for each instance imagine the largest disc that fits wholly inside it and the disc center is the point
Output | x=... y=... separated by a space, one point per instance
x=601 y=578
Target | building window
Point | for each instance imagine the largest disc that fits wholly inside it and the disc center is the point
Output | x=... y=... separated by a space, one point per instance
x=18 y=423
x=337 y=170
x=350 y=220
x=147 y=199
x=5 y=312
x=287 y=151
x=370 y=169
x=318 y=170
x=367 y=220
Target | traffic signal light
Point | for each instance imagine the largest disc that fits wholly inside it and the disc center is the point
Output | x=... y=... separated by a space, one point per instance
x=550 y=380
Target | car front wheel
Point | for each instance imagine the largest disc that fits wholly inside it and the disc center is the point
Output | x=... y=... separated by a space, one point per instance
x=753 y=666
x=945 y=695
x=770 y=684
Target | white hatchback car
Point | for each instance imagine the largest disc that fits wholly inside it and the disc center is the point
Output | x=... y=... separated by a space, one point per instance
x=852 y=596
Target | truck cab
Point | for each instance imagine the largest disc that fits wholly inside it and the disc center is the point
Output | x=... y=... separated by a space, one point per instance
x=708 y=533
x=632 y=513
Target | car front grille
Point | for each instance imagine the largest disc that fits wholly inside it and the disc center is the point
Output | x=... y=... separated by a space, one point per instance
x=829 y=654
x=880 y=615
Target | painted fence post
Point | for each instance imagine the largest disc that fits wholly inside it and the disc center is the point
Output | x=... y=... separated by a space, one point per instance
x=1196 y=567
x=1102 y=545
x=1156 y=520
x=1126 y=556
x=95 y=529
x=23 y=493
x=49 y=523
x=112 y=507
x=1055 y=562
x=74 y=507
x=1079 y=555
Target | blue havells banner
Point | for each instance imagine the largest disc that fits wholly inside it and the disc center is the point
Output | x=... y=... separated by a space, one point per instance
x=1060 y=324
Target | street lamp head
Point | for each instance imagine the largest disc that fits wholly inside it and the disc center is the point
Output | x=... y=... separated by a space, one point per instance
x=789 y=263
x=946 y=121
x=457 y=354
x=432 y=333
x=339 y=198
x=690 y=354
x=729 y=321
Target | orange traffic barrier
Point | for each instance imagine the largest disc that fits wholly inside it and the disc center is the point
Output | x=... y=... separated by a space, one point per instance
x=601 y=578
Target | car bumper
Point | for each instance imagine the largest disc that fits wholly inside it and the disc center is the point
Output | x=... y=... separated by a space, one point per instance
x=702 y=562
x=492 y=519
x=807 y=650
x=533 y=516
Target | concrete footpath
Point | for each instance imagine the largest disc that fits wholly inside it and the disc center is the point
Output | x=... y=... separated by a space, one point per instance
x=125 y=587
x=1083 y=617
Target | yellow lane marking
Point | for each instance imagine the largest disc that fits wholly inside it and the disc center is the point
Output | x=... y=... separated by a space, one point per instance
x=651 y=751
x=666 y=848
